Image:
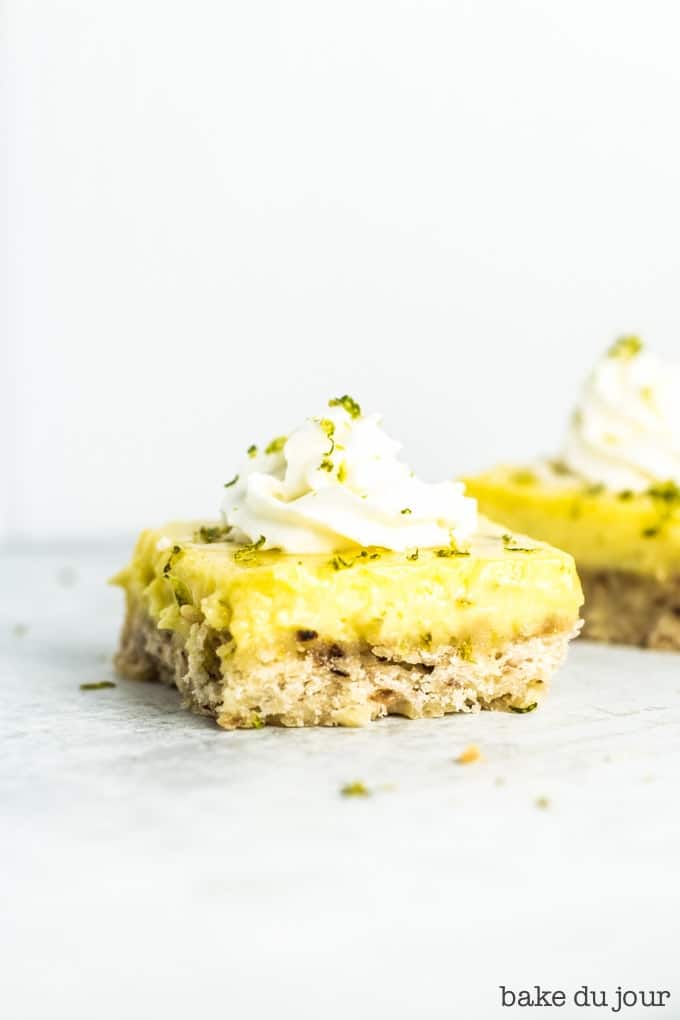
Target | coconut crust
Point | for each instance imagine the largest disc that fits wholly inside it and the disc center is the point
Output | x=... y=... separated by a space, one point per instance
x=622 y=607
x=320 y=683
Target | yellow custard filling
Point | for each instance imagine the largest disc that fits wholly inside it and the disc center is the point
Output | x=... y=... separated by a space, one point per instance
x=268 y=602
x=602 y=529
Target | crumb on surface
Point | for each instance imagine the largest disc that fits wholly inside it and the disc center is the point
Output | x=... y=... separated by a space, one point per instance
x=470 y=754
x=355 y=789
x=543 y=803
x=499 y=781
x=20 y=629
x=97 y=685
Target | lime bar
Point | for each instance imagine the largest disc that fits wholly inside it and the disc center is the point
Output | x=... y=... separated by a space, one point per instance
x=253 y=636
x=626 y=545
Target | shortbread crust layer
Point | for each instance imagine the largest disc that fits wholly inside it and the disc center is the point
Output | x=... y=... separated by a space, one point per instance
x=324 y=684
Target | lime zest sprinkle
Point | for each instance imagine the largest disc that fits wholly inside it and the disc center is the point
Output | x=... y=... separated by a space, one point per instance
x=348 y=404
x=626 y=347
x=252 y=450
x=523 y=476
x=450 y=550
x=510 y=544
x=339 y=564
x=276 y=445
x=234 y=480
x=208 y=534
x=247 y=552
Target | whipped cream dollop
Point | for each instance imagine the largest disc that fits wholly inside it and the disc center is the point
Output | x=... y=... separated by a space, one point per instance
x=625 y=432
x=337 y=481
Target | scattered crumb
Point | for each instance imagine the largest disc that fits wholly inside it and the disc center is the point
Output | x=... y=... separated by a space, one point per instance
x=19 y=629
x=648 y=779
x=97 y=685
x=469 y=755
x=543 y=803
x=355 y=789
x=67 y=577
x=499 y=781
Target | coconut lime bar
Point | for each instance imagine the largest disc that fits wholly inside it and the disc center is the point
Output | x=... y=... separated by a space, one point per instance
x=338 y=588
x=254 y=637
x=612 y=499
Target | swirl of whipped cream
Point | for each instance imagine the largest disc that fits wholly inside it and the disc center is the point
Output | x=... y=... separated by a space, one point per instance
x=336 y=482
x=625 y=432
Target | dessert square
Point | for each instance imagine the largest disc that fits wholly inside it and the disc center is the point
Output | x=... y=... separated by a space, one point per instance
x=612 y=499
x=260 y=637
x=337 y=588
x=626 y=546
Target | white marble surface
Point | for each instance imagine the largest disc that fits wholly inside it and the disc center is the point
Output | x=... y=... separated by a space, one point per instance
x=155 y=866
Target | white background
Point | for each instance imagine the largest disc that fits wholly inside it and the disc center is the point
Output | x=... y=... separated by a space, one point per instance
x=220 y=214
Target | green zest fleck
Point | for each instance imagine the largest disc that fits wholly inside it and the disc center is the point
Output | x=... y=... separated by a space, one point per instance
x=342 y=472
x=347 y=404
x=247 y=552
x=175 y=553
x=252 y=450
x=426 y=639
x=179 y=588
x=329 y=428
x=218 y=533
x=256 y=722
x=510 y=544
x=234 y=480
x=406 y=510
x=326 y=465
x=523 y=711
x=450 y=550
x=99 y=685
x=558 y=467
x=412 y=556
x=626 y=347
x=355 y=789
x=666 y=496
x=594 y=490
x=665 y=492
x=626 y=495
x=276 y=445
x=523 y=477
x=339 y=564
x=180 y=591
x=464 y=650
